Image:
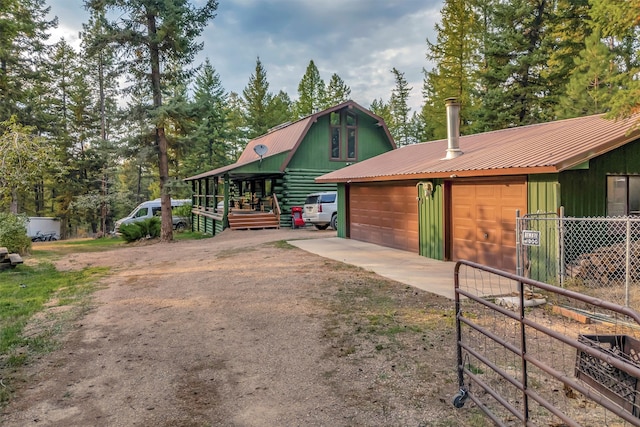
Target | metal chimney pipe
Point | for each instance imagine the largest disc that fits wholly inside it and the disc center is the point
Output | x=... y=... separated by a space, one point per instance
x=453 y=128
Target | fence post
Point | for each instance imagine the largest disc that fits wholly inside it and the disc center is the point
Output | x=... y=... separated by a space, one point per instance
x=518 y=244
x=561 y=260
x=627 y=276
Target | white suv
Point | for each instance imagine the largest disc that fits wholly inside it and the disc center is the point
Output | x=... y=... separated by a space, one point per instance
x=321 y=210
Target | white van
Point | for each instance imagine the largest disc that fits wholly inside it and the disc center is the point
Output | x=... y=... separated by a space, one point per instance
x=152 y=208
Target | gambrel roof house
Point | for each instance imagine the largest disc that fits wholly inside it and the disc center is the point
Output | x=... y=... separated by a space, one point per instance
x=277 y=170
x=457 y=198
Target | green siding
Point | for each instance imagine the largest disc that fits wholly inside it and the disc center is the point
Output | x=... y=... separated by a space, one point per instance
x=314 y=154
x=431 y=221
x=268 y=165
x=294 y=187
x=543 y=193
x=342 y=210
x=584 y=192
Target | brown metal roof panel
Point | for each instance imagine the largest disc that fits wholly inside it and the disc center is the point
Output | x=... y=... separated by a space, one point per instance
x=546 y=146
x=277 y=141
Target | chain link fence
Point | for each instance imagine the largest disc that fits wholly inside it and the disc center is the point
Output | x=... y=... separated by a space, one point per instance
x=594 y=256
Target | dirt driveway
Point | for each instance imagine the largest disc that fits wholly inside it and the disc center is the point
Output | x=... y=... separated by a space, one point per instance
x=245 y=330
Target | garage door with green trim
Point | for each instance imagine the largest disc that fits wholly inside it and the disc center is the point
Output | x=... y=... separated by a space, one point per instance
x=386 y=215
x=484 y=221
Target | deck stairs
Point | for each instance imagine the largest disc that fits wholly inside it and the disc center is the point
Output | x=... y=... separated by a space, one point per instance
x=253 y=220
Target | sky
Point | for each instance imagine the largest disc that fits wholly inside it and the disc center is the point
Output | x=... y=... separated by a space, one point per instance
x=360 y=40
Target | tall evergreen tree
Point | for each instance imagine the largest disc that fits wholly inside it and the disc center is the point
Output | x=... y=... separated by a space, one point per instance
x=311 y=92
x=151 y=35
x=590 y=88
x=513 y=83
x=23 y=53
x=208 y=139
x=381 y=109
x=619 y=22
x=567 y=30
x=281 y=108
x=256 y=100
x=337 y=92
x=399 y=110
x=456 y=56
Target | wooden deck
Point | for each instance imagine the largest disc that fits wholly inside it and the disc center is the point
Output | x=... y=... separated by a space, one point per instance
x=252 y=220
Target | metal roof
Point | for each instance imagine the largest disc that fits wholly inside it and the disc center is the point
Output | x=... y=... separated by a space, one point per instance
x=540 y=148
x=283 y=138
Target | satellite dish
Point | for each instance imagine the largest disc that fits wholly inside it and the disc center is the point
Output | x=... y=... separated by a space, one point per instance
x=261 y=150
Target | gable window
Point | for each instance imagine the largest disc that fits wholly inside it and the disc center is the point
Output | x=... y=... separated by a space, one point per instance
x=343 y=124
x=335 y=135
x=623 y=195
x=351 y=136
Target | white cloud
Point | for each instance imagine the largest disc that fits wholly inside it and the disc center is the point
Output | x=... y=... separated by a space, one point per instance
x=360 y=40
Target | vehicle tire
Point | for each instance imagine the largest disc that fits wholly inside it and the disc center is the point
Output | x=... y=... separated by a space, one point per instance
x=53 y=239
x=181 y=226
x=334 y=222
x=322 y=226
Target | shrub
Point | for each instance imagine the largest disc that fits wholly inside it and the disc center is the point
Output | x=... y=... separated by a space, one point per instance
x=13 y=233
x=147 y=229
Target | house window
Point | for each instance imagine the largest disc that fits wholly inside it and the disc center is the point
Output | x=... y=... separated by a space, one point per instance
x=351 y=136
x=335 y=135
x=347 y=123
x=623 y=195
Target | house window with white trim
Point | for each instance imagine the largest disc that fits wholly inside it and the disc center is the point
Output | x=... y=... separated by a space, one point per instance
x=623 y=195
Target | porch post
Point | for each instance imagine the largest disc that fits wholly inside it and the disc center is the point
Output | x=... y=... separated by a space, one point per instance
x=225 y=217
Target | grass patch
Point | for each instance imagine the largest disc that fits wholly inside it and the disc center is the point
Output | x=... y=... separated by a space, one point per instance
x=27 y=291
x=53 y=250
x=190 y=235
x=282 y=244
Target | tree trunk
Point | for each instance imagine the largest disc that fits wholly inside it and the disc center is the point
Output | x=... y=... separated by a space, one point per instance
x=166 y=232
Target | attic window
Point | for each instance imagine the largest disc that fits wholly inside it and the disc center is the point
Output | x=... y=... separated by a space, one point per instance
x=343 y=123
x=335 y=135
x=623 y=195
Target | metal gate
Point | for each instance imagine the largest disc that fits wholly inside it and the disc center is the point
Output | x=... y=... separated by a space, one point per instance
x=530 y=353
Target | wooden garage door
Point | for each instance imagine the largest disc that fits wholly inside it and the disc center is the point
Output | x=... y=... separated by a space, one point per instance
x=386 y=215
x=483 y=221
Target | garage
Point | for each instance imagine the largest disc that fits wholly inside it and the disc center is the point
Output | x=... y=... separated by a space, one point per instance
x=386 y=215
x=483 y=216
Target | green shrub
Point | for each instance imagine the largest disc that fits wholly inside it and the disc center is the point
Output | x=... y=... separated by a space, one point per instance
x=13 y=233
x=147 y=229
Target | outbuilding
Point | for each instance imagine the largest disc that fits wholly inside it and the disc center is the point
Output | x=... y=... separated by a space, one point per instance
x=458 y=198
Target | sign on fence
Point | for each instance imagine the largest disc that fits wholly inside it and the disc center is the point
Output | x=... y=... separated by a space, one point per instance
x=531 y=238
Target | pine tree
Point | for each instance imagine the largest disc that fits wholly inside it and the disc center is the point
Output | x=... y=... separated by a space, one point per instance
x=590 y=88
x=23 y=52
x=381 y=109
x=456 y=56
x=311 y=92
x=619 y=22
x=256 y=100
x=152 y=34
x=399 y=110
x=208 y=139
x=281 y=108
x=337 y=92
x=513 y=86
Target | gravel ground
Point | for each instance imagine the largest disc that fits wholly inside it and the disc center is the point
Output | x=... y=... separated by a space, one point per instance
x=244 y=330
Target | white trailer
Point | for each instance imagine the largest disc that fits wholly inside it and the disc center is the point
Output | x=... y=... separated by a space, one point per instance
x=44 y=225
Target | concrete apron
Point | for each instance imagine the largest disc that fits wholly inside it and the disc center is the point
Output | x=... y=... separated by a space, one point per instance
x=405 y=267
